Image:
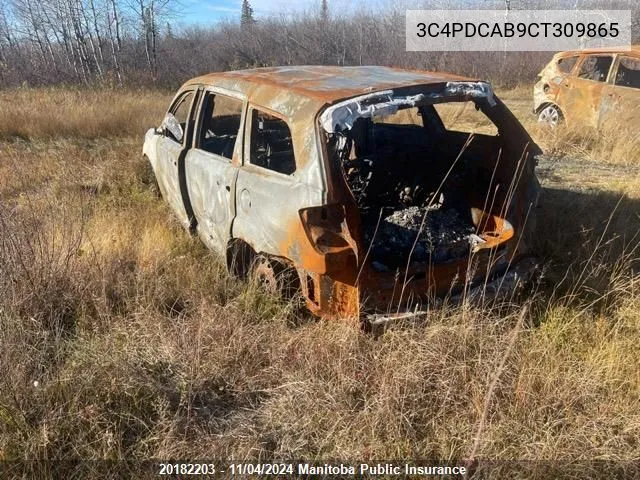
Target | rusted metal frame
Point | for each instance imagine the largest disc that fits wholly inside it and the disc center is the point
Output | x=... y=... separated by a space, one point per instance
x=519 y=172
x=327 y=291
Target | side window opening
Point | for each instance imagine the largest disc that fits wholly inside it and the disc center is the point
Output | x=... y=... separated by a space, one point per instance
x=596 y=68
x=628 y=74
x=566 y=64
x=271 y=144
x=220 y=125
x=180 y=110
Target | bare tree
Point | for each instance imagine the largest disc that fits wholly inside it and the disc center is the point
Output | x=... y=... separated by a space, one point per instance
x=113 y=30
x=89 y=41
x=149 y=15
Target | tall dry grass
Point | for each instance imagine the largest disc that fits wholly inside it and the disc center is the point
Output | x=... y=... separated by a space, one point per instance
x=123 y=338
x=615 y=143
x=55 y=113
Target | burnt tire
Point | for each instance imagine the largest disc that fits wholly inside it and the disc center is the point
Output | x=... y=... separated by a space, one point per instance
x=147 y=177
x=240 y=257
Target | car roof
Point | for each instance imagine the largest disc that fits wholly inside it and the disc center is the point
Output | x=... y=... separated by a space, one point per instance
x=320 y=85
x=634 y=51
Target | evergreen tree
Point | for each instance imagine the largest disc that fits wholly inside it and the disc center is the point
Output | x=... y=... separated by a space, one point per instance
x=246 y=16
x=324 y=10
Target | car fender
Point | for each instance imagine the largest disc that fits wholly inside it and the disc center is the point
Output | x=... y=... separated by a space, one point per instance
x=149 y=148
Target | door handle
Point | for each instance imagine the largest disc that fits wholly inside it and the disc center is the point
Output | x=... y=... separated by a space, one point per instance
x=228 y=188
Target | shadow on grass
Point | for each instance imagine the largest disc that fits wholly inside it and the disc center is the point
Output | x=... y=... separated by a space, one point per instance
x=589 y=240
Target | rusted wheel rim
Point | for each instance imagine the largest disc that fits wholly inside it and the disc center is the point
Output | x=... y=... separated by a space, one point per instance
x=265 y=275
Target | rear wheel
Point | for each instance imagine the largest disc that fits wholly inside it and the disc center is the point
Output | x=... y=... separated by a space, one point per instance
x=240 y=256
x=264 y=271
x=275 y=276
x=550 y=115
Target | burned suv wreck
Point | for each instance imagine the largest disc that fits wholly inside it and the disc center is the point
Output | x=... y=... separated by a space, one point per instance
x=590 y=88
x=350 y=178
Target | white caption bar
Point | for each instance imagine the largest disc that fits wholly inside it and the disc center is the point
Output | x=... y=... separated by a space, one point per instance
x=516 y=30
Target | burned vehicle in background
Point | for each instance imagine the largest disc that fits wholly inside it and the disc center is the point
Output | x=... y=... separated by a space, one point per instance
x=590 y=88
x=353 y=179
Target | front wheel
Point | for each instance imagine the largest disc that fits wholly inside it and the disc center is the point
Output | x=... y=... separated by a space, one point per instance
x=147 y=177
x=550 y=115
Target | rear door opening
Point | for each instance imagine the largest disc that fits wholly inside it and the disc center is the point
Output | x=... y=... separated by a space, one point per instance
x=433 y=178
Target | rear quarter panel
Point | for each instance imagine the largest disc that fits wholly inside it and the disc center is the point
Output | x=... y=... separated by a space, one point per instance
x=268 y=203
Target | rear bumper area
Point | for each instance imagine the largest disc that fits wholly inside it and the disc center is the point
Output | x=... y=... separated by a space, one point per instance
x=333 y=299
x=503 y=286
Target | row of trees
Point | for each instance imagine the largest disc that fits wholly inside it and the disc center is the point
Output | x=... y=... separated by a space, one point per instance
x=84 y=41
x=137 y=42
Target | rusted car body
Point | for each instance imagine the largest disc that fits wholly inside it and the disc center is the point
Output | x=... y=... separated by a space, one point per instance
x=590 y=88
x=296 y=166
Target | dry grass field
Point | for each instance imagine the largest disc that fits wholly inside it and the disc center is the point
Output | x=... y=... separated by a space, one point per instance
x=123 y=338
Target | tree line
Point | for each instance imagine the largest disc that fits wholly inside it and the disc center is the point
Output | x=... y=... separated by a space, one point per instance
x=140 y=42
x=79 y=41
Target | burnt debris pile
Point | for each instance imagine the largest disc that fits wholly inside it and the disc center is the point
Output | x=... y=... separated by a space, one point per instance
x=442 y=234
x=394 y=200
